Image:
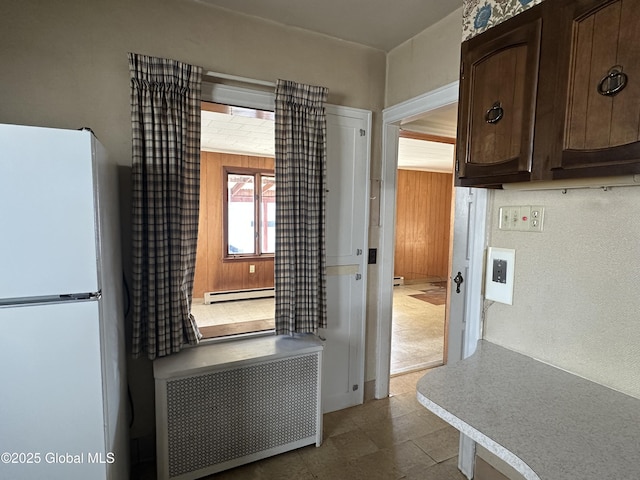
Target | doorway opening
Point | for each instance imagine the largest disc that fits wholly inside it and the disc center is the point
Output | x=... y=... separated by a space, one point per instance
x=393 y=118
x=233 y=291
x=422 y=240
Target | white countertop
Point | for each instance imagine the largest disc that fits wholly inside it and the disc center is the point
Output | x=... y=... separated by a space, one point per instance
x=546 y=423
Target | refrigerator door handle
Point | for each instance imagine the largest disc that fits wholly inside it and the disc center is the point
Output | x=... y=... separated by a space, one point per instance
x=82 y=296
x=71 y=297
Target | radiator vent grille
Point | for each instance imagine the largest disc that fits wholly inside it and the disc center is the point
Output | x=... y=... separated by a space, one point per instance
x=217 y=417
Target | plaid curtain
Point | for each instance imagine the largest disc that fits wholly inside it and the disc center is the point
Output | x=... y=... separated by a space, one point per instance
x=300 y=168
x=165 y=122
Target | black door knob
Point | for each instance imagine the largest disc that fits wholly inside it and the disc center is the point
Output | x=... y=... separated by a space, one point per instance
x=458 y=280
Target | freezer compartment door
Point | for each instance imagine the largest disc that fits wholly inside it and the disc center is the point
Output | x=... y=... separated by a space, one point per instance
x=51 y=383
x=48 y=240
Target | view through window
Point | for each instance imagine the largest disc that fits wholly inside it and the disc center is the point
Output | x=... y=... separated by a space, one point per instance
x=233 y=290
x=250 y=213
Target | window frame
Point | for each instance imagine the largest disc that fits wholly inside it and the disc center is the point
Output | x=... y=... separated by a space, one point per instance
x=257 y=173
x=229 y=96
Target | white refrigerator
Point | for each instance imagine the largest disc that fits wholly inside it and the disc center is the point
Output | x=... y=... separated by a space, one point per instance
x=63 y=403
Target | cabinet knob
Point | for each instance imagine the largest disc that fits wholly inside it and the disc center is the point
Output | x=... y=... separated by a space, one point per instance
x=494 y=114
x=612 y=83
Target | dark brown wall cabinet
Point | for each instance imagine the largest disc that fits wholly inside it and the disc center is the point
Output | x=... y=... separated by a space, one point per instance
x=552 y=93
x=600 y=121
x=499 y=73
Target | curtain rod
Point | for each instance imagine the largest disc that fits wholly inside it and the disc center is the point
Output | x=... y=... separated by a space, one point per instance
x=240 y=79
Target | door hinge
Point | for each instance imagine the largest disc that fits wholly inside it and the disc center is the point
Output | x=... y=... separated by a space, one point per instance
x=363 y=132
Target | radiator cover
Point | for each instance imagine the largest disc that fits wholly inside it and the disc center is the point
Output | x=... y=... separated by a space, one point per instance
x=226 y=414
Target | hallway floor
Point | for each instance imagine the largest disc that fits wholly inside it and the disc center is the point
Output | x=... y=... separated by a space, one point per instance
x=233 y=311
x=390 y=439
x=417 y=338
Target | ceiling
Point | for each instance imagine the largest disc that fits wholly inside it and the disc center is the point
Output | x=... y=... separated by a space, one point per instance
x=423 y=155
x=441 y=122
x=430 y=156
x=240 y=135
x=380 y=24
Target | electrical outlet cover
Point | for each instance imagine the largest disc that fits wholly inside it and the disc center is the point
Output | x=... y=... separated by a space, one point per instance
x=522 y=218
x=500 y=272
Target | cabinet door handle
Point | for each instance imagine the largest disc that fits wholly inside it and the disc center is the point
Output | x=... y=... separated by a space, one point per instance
x=613 y=82
x=494 y=114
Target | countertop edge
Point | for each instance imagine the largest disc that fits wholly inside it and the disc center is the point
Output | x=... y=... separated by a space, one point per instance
x=478 y=437
x=532 y=415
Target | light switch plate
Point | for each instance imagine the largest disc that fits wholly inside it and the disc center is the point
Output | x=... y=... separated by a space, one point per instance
x=522 y=218
x=500 y=274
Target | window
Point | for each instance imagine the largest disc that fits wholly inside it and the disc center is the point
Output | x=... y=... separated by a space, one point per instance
x=236 y=236
x=250 y=226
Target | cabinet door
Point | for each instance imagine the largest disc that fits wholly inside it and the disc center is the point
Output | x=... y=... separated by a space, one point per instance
x=601 y=94
x=497 y=102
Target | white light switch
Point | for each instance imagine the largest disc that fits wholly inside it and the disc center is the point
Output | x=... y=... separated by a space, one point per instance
x=500 y=274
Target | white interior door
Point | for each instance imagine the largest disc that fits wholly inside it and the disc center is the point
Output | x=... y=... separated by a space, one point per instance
x=348 y=141
x=465 y=304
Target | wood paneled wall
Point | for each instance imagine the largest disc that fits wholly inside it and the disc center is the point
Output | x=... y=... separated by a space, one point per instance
x=423 y=224
x=213 y=273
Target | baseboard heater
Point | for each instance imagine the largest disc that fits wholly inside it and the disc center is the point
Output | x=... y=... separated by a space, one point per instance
x=248 y=294
x=223 y=405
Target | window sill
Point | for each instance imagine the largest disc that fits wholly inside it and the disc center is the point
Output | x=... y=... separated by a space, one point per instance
x=233 y=338
x=248 y=258
x=237 y=329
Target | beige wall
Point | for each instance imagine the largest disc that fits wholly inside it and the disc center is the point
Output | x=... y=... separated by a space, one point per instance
x=64 y=64
x=576 y=299
x=428 y=61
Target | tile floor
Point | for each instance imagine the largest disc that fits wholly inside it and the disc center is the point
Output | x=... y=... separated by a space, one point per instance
x=390 y=439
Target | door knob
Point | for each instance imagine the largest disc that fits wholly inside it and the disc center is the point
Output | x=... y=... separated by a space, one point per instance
x=458 y=280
